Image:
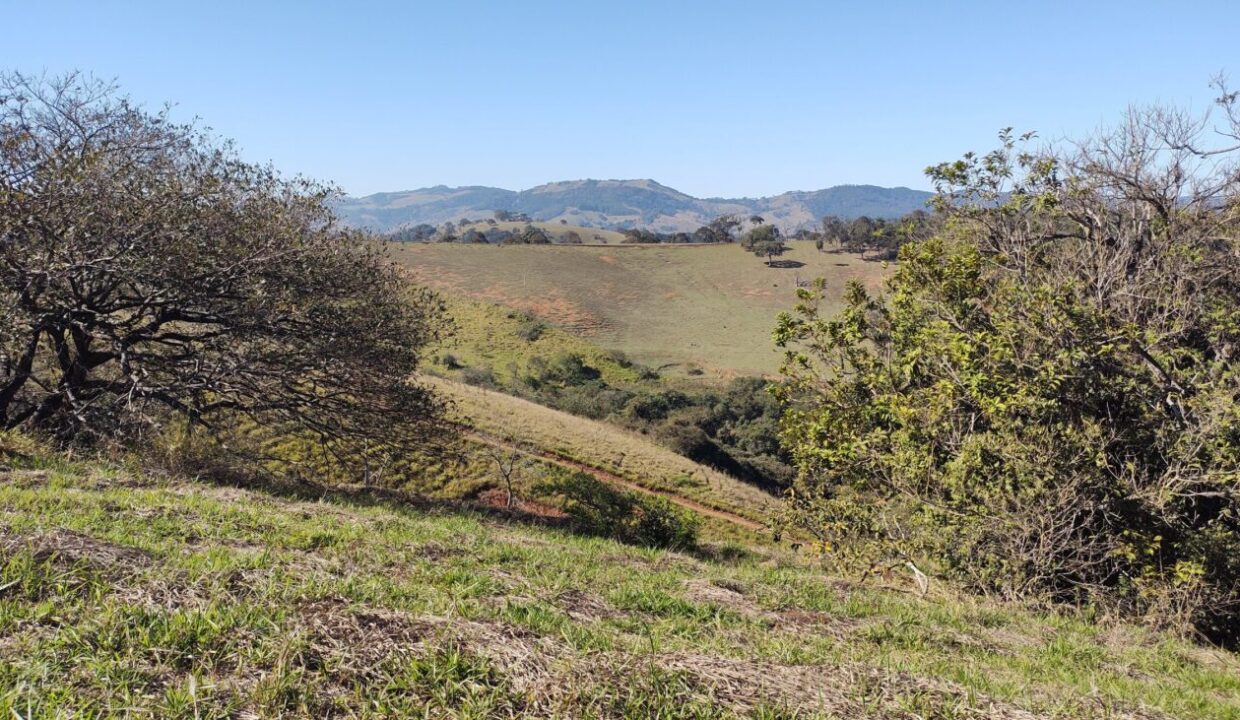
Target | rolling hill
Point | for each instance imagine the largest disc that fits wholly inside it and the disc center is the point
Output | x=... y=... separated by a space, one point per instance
x=622 y=204
x=686 y=310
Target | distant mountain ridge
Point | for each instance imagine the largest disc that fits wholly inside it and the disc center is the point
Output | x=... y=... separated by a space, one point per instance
x=622 y=204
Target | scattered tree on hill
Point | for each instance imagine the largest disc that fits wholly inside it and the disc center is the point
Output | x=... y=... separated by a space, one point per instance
x=642 y=236
x=531 y=235
x=446 y=233
x=1047 y=402
x=880 y=239
x=720 y=230
x=147 y=272
x=417 y=233
x=503 y=215
x=764 y=240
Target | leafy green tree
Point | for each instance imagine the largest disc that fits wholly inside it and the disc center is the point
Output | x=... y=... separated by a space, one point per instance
x=1046 y=401
x=531 y=235
x=764 y=241
x=720 y=230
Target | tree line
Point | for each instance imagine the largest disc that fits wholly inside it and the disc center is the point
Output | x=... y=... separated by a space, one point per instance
x=876 y=238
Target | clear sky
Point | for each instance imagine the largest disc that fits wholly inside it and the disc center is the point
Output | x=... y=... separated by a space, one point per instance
x=712 y=98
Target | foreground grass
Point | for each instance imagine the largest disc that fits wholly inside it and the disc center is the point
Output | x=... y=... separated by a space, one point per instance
x=684 y=310
x=124 y=595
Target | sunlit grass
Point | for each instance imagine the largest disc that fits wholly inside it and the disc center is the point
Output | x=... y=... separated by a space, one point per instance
x=126 y=595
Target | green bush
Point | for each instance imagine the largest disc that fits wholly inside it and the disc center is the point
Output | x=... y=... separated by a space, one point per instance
x=1046 y=402
x=596 y=508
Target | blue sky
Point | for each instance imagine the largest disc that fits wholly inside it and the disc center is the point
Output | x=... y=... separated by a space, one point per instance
x=715 y=99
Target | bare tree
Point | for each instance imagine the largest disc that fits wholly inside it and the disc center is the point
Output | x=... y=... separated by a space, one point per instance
x=507 y=470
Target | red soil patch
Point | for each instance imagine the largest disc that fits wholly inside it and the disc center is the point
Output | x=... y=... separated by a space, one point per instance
x=498 y=499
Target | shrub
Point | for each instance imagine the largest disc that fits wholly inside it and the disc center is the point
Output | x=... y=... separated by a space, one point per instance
x=531 y=329
x=596 y=508
x=480 y=377
x=1047 y=401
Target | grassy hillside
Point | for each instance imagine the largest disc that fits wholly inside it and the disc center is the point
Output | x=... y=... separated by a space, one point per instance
x=632 y=458
x=681 y=308
x=129 y=595
x=505 y=341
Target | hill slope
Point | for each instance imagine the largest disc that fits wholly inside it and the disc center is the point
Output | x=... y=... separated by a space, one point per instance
x=626 y=458
x=128 y=595
x=623 y=204
x=682 y=308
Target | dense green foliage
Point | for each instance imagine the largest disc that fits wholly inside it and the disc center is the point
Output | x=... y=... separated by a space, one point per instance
x=764 y=241
x=1047 y=401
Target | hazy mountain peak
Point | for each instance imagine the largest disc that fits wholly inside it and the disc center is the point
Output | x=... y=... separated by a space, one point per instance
x=641 y=202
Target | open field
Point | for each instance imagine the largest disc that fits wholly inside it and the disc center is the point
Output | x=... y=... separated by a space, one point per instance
x=131 y=595
x=679 y=308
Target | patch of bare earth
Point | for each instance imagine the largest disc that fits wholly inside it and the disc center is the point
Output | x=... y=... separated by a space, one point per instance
x=497 y=499
x=585 y=607
x=727 y=595
x=849 y=691
x=68 y=548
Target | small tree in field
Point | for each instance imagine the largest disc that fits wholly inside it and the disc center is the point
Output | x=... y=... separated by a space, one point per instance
x=147 y=272
x=764 y=240
x=507 y=471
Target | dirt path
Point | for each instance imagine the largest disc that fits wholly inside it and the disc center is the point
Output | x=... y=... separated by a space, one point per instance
x=614 y=479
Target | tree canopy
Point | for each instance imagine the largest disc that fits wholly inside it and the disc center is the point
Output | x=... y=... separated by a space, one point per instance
x=146 y=272
x=764 y=240
x=1046 y=400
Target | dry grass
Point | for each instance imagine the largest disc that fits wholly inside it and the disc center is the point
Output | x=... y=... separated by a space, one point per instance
x=606 y=447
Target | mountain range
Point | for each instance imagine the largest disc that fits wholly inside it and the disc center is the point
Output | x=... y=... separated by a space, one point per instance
x=622 y=204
